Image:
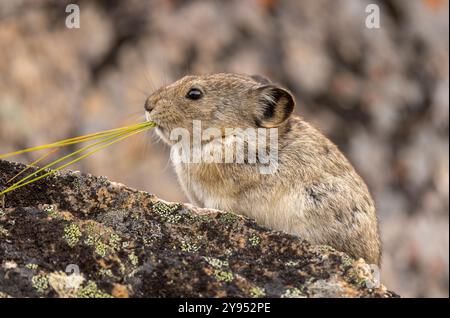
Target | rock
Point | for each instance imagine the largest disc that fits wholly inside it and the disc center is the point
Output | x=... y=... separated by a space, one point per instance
x=77 y=235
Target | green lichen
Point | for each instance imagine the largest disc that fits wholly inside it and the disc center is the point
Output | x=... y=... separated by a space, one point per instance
x=90 y=240
x=201 y=218
x=106 y=272
x=133 y=259
x=40 y=283
x=147 y=241
x=2 y=213
x=168 y=213
x=254 y=240
x=90 y=227
x=32 y=266
x=114 y=241
x=292 y=263
x=92 y=291
x=95 y=241
x=189 y=247
x=72 y=234
x=216 y=263
x=228 y=218
x=354 y=277
x=293 y=293
x=103 y=181
x=3 y=231
x=135 y=215
x=103 y=247
x=122 y=268
x=257 y=292
x=346 y=261
x=323 y=249
x=223 y=276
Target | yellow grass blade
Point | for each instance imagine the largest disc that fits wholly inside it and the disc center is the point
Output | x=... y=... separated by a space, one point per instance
x=69 y=163
x=75 y=140
x=70 y=155
x=97 y=135
x=107 y=138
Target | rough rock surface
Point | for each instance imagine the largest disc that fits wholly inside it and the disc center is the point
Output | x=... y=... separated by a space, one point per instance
x=77 y=235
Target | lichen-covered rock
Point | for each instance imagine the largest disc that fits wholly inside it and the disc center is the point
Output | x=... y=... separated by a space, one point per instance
x=76 y=235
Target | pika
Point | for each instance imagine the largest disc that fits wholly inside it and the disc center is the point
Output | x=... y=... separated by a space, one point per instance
x=315 y=193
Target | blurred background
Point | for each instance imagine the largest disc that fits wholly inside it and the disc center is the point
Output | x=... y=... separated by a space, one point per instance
x=382 y=95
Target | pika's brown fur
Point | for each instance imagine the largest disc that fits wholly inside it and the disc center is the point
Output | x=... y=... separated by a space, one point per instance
x=315 y=192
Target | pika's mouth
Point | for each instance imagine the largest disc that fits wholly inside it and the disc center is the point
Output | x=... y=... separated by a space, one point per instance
x=147 y=116
x=160 y=129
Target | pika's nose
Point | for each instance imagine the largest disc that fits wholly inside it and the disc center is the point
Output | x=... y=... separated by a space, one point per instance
x=149 y=105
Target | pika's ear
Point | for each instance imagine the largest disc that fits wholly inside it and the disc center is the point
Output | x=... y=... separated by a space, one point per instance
x=273 y=106
x=260 y=79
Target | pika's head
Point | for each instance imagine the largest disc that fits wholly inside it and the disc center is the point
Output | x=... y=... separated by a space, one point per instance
x=219 y=101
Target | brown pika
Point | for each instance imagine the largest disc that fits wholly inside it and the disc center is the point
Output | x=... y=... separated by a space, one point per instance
x=314 y=193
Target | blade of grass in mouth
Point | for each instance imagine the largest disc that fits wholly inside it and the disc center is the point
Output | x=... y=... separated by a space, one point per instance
x=75 y=140
x=106 y=139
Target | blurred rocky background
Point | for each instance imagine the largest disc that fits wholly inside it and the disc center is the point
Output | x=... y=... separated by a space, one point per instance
x=382 y=95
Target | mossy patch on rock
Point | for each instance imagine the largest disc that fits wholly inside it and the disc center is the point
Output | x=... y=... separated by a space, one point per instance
x=120 y=242
x=40 y=283
x=92 y=291
x=72 y=234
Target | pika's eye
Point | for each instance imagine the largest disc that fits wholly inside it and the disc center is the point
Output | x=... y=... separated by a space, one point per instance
x=194 y=94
